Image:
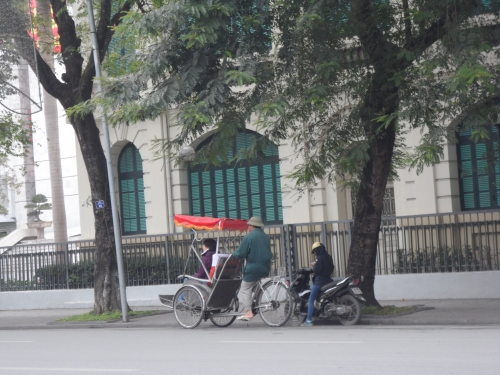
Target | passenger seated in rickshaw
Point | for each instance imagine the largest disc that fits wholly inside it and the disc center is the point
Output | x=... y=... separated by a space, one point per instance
x=209 y=247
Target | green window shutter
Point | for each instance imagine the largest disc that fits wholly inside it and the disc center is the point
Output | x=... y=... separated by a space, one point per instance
x=207 y=193
x=131 y=183
x=243 y=141
x=465 y=133
x=243 y=193
x=118 y=47
x=255 y=191
x=480 y=151
x=238 y=190
x=496 y=152
x=278 y=192
x=490 y=5
x=240 y=142
x=269 y=192
x=126 y=161
x=220 y=195
x=483 y=180
x=194 y=188
x=479 y=171
x=466 y=171
x=231 y=194
x=465 y=152
x=271 y=150
x=138 y=161
x=498 y=189
x=141 y=203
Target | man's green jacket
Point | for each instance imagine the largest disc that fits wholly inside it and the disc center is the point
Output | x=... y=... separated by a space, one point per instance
x=256 y=249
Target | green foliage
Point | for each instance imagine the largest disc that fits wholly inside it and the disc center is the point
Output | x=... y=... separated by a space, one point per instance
x=140 y=271
x=13 y=14
x=191 y=55
x=14 y=285
x=426 y=154
x=14 y=138
x=109 y=315
x=80 y=275
x=444 y=259
x=211 y=60
x=38 y=204
x=386 y=310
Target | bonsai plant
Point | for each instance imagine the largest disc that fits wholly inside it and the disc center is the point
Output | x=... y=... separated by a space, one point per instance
x=39 y=204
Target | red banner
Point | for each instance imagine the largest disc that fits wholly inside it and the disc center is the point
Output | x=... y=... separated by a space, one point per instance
x=55 y=31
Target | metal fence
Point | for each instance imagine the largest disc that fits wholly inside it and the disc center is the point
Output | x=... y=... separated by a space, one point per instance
x=455 y=242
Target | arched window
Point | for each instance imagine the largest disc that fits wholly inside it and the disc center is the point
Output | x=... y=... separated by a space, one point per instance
x=479 y=171
x=131 y=182
x=238 y=190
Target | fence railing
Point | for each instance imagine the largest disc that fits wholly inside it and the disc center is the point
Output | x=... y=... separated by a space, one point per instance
x=455 y=242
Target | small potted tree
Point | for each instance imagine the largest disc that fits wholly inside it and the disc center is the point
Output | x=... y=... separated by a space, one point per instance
x=38 y=204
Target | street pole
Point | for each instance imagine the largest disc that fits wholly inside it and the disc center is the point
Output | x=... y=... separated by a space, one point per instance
x=107 y=152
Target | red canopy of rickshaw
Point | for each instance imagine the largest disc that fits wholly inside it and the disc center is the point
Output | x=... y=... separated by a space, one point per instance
x=207 y=223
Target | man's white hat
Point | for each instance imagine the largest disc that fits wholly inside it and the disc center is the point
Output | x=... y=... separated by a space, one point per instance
x=255 y=221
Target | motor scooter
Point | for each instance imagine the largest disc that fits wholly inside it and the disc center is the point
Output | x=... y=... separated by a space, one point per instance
x=340 y=299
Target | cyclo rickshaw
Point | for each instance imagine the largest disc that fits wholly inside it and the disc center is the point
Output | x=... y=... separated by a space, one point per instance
x=216 y=299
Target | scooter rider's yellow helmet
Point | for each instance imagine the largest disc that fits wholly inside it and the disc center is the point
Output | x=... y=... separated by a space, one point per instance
x=315 y=245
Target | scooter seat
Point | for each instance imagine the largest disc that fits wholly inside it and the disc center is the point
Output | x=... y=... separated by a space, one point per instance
x=331 y=284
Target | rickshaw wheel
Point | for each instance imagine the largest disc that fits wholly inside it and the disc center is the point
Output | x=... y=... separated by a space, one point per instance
x=279 y=300
x=222 y=321
x=188 y=307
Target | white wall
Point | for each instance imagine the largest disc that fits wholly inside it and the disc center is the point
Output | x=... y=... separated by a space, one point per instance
x=435 y=190
x=79 y=298
x=461 y=285
x=438 y=286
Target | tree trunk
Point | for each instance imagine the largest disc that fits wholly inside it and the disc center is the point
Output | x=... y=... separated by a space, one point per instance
x=29 y=159
x=380 y=99
x=106 y=285
x=52 y=127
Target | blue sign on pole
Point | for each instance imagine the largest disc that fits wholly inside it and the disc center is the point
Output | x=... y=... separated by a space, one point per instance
x=99 y=204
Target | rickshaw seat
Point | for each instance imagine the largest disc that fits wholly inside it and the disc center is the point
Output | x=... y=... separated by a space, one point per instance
x=231 y=269
x=227 y=281
x=223 y=293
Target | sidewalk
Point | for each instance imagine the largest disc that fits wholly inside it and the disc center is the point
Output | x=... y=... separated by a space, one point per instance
x=433 y=312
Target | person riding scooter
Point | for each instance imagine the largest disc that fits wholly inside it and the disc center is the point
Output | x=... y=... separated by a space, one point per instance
x=323 y=269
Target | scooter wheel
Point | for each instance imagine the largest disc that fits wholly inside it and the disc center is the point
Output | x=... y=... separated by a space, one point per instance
x=296 y=319
x=355 y=310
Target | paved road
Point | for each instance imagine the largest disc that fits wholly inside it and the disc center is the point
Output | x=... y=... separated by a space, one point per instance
x=253 y=350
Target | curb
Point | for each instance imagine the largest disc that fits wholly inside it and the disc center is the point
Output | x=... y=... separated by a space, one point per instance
x=417 y=308
x=99 y=322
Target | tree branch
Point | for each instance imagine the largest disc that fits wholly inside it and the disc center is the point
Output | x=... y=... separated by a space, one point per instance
x=370 y=36
x=46 y=76
x=484 y=103
x=406 y=15
x=104 y=31
x=104 y=34
x=70 y=43
x=420 y=42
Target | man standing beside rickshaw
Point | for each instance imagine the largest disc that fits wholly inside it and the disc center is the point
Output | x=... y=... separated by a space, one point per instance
x=256 y=249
